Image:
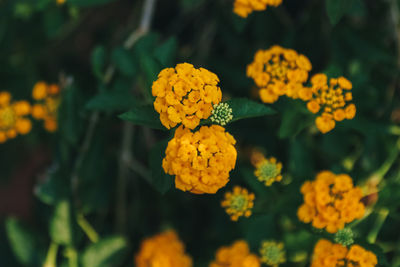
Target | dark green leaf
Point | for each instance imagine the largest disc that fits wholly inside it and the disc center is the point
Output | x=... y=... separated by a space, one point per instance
x=166 y=52
x=143 y=115
x=336 y=9
x=123 y=61
x=22 y=242
x=161 y=181
x=98 y=60
x=112 y=101
x=62 y=224
x=293 y=122
x=243 y=108
x=53 y=188
x=107 y=252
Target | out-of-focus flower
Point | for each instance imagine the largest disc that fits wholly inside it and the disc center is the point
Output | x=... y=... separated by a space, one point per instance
x=238 y=203
x=244 y=7
x=272 y=253
x=236 y=255
x=268 y=170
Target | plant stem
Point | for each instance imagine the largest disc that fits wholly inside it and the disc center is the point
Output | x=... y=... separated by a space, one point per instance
x=51 y=256
x=87 y=228
x=373 y=234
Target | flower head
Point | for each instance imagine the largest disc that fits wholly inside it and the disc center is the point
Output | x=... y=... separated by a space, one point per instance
x=13 y=120
x=329 y=254
x=185 y=95
x=344 y=237
x=330 y=202
x=272 y=253
x=279 y=71
x=163 y=250
x=221 y=114
x=244 y=7
x=201 y=161
x=268 y=170
x=238 y=203
x=48 y=99
x=236 y=255
x=330 y=100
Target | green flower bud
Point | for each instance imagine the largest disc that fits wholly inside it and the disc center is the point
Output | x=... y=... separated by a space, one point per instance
x=221 y=114
x=344 y=237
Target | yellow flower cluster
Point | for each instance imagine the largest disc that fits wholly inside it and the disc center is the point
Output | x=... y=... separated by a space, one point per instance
x=279 y=71
x=244 y=7
x=236 y=255
x=60 y=2
x=332 y=99
x=327 y=254
x=48 y=99
x=238 y=203
x=330 y=202
x=163 y=250
x=272 y=253
x=185 y=95
x=201 y=161
x=13 y=119
x=268 y=170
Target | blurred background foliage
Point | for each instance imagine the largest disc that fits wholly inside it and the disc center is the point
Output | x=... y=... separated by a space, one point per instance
x=100 y=169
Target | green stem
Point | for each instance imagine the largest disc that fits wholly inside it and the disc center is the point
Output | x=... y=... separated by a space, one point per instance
x=72 y=256
x=87 y=228
x=51 y=256
x=382 y=171
x=373 y=234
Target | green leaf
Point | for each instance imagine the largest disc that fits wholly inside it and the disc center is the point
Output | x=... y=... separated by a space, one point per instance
x=112 y=101
x=53 y=188
x=243 y=108
x=109 y=251
x=143 y=115
x=293 y=122
x=336 y=9
x=166 y=52
x=123 y=61
x=86 y=3
x=21 y=241
x=98 y=61
x=161 y=181
x=62 y=224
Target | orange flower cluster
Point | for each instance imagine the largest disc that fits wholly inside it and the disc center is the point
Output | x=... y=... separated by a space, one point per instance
x=163 y=250
x=201 y=161
x=46 y=108
x=279 y=71
x=332 y=99
x=185 y=95
x=238 y=203
x=236 y=255
x=330 y=202
x=327 y=254
x=13 y=119
x=244 y=7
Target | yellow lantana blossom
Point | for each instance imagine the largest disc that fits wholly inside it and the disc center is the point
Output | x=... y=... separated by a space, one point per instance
x=201 y=161
x=244 y=7
x=163 y=250
x=268 y=170
x=279 y=71
x=48 y=99
x=185 y=95
x=327 y=254
x=272 y=253
x=13 y=120
x=330 y=100
x=238 y=203
x=330 y=202
x=236 y=255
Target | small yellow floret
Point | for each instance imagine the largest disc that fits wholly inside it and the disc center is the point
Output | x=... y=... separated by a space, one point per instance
x=268 y=170
x=238 y=203
x=244 y=7
x=272 y=253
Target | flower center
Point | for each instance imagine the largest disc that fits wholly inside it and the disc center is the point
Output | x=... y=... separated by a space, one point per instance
x=268 y=171
x=239 y=203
